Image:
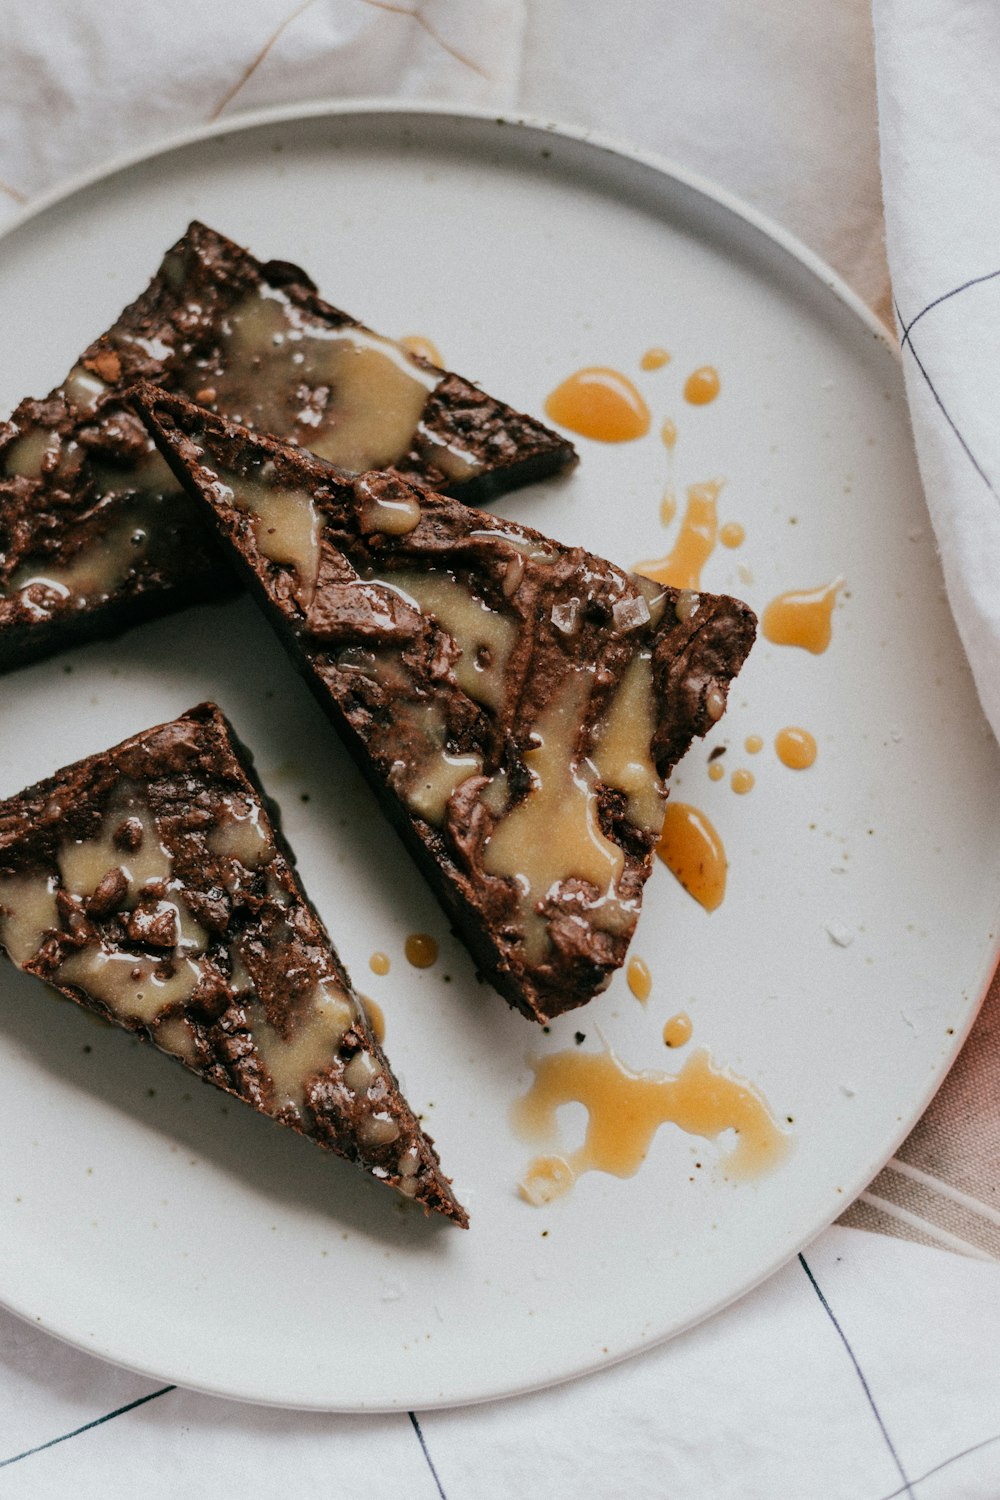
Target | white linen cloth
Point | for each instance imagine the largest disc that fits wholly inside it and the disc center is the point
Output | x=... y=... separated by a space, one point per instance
x=869 y=1368
x=940 y=130
x=863 y=1377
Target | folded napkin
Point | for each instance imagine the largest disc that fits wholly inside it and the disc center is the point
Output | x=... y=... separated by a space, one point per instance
x=940 y=131
x=868 y=1369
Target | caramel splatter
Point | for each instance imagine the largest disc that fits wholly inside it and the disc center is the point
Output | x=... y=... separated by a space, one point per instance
x=702 y=386
x=599 y=403
x=640 y=981
x=625 y=1109
x=421 y=950
x=802 y=617
x=695 y=543
x=796 y=748
x=692 y=850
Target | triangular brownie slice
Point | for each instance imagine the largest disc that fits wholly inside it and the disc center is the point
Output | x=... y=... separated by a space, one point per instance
x=151 y=884
x=516 y=704
x=94 y=534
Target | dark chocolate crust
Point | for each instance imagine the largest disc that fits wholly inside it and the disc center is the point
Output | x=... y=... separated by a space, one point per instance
x=98 y=471
x=266 y=947
x=695 y=652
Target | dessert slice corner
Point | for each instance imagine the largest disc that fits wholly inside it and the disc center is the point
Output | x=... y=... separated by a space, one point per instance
x=151 y=885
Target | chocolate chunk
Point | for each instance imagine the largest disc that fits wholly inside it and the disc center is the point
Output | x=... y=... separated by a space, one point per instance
x=108 y=896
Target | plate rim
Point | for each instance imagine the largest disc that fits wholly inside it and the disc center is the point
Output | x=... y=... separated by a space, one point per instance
x=393 y=109
x=385 y=105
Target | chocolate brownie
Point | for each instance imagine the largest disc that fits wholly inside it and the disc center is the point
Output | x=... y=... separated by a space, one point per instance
x=516 y=704
x=151 y=885
x=94 y=534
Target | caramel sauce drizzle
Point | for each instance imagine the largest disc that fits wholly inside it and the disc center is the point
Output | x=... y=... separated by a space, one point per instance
x=796 y=748
x=695 y=543
x=599 y=403
x=692 y=850
x=555 y=831
x=802 y=617
x=625 y=1109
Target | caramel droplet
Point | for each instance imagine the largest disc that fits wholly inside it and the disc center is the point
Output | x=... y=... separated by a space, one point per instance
x=548 y=1177
x=732 y=534
x=599 y=403
x=376 y=1017
x=668 y=433
x=640 y=981
x=668 y=507
x=692 y=850
x=753 y=744
x=379 y=963
x=715 y=771
x=417 y=344
x=695 y=542
x=796 y=748
x=702 y=386
x=802 y=617
x=655 y=359
x=741 y=781
x=677 y=1030
x=421 y=950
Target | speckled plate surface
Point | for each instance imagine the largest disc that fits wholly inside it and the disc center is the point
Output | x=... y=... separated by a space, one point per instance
x=143 y=1219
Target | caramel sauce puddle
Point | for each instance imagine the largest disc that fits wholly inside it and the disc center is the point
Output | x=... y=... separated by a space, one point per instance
x=625 y=1109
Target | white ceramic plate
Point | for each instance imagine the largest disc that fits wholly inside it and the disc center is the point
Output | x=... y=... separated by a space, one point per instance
x=145 y=1220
